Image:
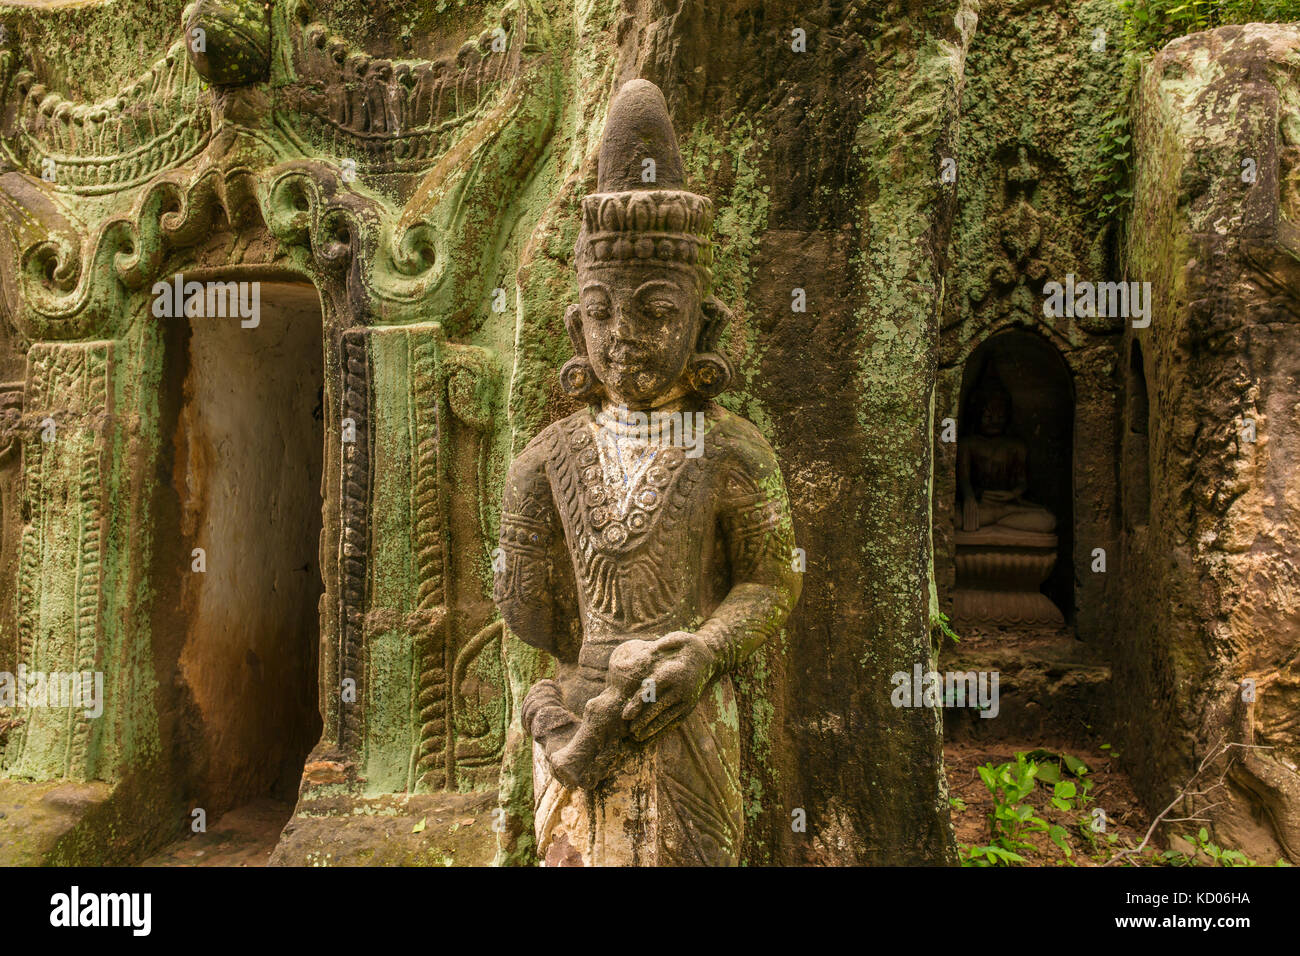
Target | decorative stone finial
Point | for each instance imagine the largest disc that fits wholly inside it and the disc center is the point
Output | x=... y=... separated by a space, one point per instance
x=229 y=41
x=637 y=129
x=641 y=213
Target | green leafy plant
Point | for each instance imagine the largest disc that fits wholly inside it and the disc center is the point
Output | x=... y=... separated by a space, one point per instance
x=1150 y=24
x=1067 y=795
x=989 y=856
x=1009 y=784
x=1068 y=785
x=1012 y=818
x=945 y=627
x=1204 y=845
x=1114 y=174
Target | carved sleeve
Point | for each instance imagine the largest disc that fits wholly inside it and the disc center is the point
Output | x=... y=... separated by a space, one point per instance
x=533 y=578
x=759 y=534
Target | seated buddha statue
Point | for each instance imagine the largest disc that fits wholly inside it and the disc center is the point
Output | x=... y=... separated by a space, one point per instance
x=992 y=476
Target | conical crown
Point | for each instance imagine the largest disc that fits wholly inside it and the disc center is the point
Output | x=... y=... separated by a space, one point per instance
x=641 y=212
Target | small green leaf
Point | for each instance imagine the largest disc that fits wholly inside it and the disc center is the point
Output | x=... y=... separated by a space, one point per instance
x=1005 y=856
x=1057 y=835
x=419 y=827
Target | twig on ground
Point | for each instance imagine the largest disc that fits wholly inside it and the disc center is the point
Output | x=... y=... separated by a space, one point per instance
x=1220 y=748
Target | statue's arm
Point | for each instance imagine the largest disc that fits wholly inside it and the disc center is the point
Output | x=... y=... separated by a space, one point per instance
x=759 y=535
x=963 y=470
x=527 y=585
x=1020 y=463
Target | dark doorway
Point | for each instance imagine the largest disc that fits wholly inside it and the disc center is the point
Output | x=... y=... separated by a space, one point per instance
x=1037 y=379
x=248 y=445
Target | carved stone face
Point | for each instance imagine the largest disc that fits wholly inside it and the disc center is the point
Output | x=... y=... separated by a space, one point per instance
x=640 y=327
x=993 y=417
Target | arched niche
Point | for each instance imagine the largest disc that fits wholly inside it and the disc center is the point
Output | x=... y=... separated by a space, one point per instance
x=1041 y=391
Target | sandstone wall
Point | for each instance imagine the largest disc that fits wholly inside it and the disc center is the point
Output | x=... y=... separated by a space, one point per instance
x=1211 y=582
x=416 y=170
x=823 y=163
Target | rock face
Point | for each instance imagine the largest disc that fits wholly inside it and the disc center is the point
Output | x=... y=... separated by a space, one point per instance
x=1035 y=98
x=1213 y=585
x=893 y=192
x=426 y=187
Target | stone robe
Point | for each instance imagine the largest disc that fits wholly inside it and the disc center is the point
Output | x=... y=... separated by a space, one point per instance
x=609 y=538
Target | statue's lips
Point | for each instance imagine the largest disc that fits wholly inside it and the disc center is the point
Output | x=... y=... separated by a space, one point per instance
x=630 y=359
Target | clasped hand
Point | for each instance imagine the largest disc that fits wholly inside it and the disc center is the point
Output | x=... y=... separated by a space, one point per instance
x=676 y=668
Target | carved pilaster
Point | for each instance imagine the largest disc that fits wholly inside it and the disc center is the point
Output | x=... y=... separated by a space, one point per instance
x=416 y=630
x=67 y=399
x=354 y=546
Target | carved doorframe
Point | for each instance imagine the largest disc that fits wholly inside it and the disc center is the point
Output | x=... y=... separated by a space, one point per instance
x=1085 y=357
x=79 y=255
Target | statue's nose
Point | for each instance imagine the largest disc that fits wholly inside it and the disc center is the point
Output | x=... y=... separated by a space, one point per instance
x=622 y=322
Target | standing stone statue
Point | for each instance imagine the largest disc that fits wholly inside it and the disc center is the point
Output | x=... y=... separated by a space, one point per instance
x=647 y=538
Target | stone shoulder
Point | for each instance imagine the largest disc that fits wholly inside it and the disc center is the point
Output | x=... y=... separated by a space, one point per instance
x=538 y=451
x=740 y=446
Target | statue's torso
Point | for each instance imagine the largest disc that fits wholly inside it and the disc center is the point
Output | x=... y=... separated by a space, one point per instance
x=642 y=525
x=640 y=536
x=997 y=463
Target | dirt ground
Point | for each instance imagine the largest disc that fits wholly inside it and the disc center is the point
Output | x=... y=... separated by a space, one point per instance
x=243 y=837
x=440 y=829
x=972 y=803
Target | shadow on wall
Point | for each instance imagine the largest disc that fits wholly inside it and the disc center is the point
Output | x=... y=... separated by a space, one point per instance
x=1136 y=478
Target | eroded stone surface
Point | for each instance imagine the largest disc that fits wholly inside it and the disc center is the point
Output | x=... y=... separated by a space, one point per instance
x=423 y=171
x=1215 y=590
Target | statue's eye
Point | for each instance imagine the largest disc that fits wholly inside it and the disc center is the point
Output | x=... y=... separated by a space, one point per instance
x=661 y=308
x=597 y=312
